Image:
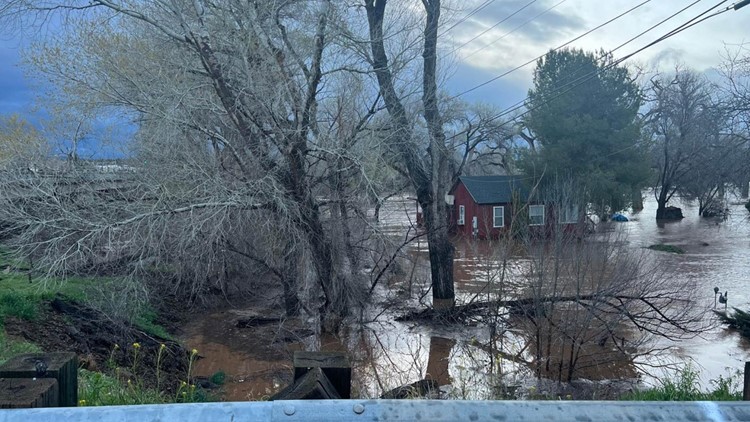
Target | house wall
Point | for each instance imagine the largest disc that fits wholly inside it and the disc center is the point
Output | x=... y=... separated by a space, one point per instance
x=485 y=218
x=482 y=212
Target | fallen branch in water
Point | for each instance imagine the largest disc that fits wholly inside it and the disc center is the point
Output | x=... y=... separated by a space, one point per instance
x=648 y=312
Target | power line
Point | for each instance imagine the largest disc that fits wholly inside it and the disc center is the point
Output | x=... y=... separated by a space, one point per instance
x=472 y=13
x=555 y=49
x=690 y=23
x=514 y=29
x=591 y=75
x=496 y=24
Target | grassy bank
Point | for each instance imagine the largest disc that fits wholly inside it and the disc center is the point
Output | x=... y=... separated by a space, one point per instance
x=136 y=375
x=684 y=386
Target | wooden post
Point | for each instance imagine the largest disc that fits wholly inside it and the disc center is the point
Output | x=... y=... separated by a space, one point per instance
x=746 y=384
x=334 y=365
x=17 y=393
x=61 y=366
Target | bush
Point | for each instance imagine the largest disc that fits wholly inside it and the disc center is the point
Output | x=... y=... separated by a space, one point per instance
x=747 y=205
x=685 y=387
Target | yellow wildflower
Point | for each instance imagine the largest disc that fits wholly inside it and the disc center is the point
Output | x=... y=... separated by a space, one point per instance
x=136 y=345
x=194 y=351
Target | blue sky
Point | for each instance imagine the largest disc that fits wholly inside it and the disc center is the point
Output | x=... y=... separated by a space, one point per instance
x=15 y=96
x=541 y=25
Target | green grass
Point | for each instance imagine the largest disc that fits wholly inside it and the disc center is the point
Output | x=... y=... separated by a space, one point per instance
x=684 y=386
x=99 y=389
x=667 y=248
x=11 y=347
x=22 y=299
x=146 y=321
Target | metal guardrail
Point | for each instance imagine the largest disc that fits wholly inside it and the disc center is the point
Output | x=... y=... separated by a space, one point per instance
x=395 y=410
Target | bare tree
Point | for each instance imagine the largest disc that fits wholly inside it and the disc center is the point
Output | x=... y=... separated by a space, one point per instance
x=736 y=89
x=247 y=125
x=683 y=122
x=429 y=161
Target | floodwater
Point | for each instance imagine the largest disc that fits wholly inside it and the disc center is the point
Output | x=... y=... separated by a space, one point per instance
x=716 y=255
x=469 y=361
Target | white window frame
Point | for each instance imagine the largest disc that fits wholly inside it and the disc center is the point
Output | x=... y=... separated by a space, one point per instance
x=569 y=211
x=461 y=215
x=495 y=215
x=531 y=223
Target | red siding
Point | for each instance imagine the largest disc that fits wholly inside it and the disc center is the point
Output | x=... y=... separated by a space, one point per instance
x=484 y=216
x=482 y=212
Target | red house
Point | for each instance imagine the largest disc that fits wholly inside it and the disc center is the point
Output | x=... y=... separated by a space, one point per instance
x=484 y=206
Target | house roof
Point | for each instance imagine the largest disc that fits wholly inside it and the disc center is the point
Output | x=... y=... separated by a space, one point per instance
x=495 y=189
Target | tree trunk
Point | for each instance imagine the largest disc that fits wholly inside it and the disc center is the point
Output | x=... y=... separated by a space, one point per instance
x=322 y=254
x=745 y=188
x=441 y=257
x=429 y=183
x=289 y=280
x=637 y=199
x=661 y=202
x=441 y=248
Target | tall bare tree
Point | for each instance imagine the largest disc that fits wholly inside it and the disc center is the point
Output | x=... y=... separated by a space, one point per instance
x=429 y=175
x=243 y=147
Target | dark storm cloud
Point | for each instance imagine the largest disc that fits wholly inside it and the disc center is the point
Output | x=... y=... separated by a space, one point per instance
x=14 y=93
x=543 y=29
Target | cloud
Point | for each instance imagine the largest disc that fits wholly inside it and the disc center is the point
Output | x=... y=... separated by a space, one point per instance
x=538 y=23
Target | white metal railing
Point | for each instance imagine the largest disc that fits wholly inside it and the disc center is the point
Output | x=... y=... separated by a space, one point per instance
x=394 y=410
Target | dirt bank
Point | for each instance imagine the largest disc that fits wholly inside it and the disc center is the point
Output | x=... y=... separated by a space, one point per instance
x=102 y=343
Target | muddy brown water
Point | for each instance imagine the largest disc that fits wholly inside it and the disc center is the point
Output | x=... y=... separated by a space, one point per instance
x=386 y=354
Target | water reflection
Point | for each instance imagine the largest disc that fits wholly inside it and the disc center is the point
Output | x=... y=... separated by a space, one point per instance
x=716 y=251
x=489 y=359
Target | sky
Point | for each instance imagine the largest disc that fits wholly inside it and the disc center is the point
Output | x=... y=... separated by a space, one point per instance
x=474 y=50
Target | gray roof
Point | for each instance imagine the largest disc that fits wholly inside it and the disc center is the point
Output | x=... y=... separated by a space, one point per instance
x=495 y=189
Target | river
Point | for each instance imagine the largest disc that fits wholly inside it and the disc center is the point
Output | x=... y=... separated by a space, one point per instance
x=467 y=360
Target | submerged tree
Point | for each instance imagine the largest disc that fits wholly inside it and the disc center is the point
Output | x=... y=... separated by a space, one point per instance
x=736 y=89
x=684 y=127
x=583 y=120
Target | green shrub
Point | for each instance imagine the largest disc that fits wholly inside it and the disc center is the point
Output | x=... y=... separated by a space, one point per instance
x=218 y=378
x=684 y=386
